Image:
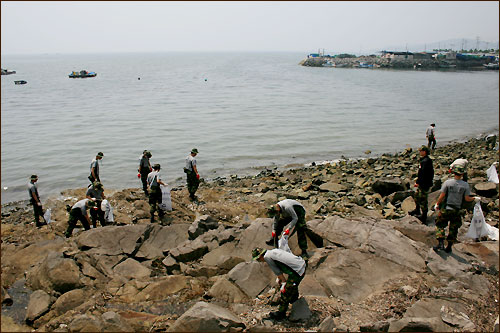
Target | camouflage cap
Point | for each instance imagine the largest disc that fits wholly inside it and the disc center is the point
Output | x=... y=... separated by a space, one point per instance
x=425 y=148
x=91 y=203
x=272 y=211
x=98 y=185
x=100 y=154
x=194 y=151
x=257 y=252
x=458 y=169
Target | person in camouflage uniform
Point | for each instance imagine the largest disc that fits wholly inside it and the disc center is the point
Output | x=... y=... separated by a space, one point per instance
x=282 y=262
x=423 y=185
x=449 y=205
x=154 y=182
x=193 y=177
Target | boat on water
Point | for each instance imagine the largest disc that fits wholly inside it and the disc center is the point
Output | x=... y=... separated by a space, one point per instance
x=7 y=72
x=328 y=64
x=491 y=65
x=82 y=74
x=365 y=65
x=20 y=82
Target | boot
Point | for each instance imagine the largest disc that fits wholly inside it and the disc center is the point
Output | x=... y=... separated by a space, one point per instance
x=304 y=255
x=277 y=315
x=423 y=217
x=270 y=242
x=440 y=245
x=153 y=218
x=414 y=212
x=448 y=247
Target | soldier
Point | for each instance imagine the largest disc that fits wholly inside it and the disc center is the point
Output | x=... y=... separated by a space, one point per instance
x=96 y=192
x=423 y=185
x=35 y=201
x=453 y=192
x=79 y=213
x=94 y=168
x=292 y=213
x=154 y=182
x=282 y=262
x=430 y=134
x=145 y=169
x=193 y=177
x=462 y=161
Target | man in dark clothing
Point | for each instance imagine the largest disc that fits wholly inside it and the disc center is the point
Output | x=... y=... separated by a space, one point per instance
x=35 y=201
x=154 y=182
x=193 y=177
x=423 y=184
x=96 y=192
x=94 y=168
x=145 y=169
x=79 y=213
x=430 y=133
x=282 y=262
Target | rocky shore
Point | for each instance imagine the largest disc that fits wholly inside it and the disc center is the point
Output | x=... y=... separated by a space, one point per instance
x=371 y=267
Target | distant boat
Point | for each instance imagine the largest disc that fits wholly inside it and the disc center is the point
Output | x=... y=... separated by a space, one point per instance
x=7 y=72
x=491 y=65
x=328 y=64
x=365 y=65
x=20 y=82
x=82 y=74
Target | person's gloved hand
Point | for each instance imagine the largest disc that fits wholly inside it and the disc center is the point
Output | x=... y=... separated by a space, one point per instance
x=273 y=234
x=278 y=280
x=139 y=175
x=282 y=289
x=477 y=199
x=197 y=176
x=287 y=232
x=436 y=207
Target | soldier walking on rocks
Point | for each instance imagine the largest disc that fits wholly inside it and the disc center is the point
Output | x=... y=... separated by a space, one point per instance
x=96 y=191
x=35 y=201
x=292 y=213
x=154 y=182
x=79 y=213
x=281 y=263
x=423 y=185
x=193 y=177
x=463 y=163
x=430 y=134
x=449 y=205
x=94 y=168
x=145 y=169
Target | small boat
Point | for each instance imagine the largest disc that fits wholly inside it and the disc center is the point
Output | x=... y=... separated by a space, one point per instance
x=7 y=72
x=328 y=64
x=82 y=74
x=491 y=65
x=365 y=65
x=20 y=82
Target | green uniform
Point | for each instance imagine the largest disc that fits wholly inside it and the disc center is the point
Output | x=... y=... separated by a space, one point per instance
x=455 y=191
x=155 y=194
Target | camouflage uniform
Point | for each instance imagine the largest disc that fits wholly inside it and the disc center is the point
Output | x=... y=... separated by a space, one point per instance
x=291 y=293
x=454 y=216
x=155 y=194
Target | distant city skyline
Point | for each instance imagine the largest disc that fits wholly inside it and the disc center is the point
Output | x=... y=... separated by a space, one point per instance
x=338 y=27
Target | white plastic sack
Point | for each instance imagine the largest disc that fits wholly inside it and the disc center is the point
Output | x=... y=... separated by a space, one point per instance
x=283 y=244
x=492 y=232
x=492 y=174
x=47 y=215
x=108 y=211
x=166 y=200
x=478 y=226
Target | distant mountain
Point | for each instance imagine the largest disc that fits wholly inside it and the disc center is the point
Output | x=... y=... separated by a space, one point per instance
x=454 y=44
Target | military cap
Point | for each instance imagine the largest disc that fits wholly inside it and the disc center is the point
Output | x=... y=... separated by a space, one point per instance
x=98 y=185
x=194 y=151
x=257 y=252
x=458 y=169
x=100 y=154
x=272 y=211
x=425 y=148
x=34 y=177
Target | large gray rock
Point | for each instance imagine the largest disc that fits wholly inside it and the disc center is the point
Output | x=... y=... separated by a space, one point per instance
x=251 y=277
x=113 y=322
x=161 y=239
x=55 y=273
x=189 y=251
x=85 y=323
x=227 y=291
x=38 y=305
x=300 y=310
x=486 y=189
x=327 y=325
x=432 y=324
x=112 y=240
x=386 y=186
x=69 y=301
x=201 y=225
x=163 y=287
x=205 y=317
x=132 y=269
x=332 y=187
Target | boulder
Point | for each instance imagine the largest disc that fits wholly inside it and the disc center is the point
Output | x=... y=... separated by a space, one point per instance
x=201 y=225
x=160 y=239
x=69 y=300
x=327 y=325
x=486 y=189
x=386 y=186
x=332 y=187
x=456 y=319
x=200 y=270
x=379 y=326
x=399 y=196
x=163 y=287
x=171 y=264
x=132 y=269
x=6 y=299
x=55 y=273
x=224 y=290
x=251 y=277
x=205 y=317
x=432 y=324
x=408 y=205
x=38 y=305
x=300 y=310
x=85 y=323
x=112 y=240
x=113 y=322
x=189 y=251
x=227 y=263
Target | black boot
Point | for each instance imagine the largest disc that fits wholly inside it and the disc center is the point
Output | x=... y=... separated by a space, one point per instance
x=423 y=217
x=277 y=315
x=152 y=218
x=414 y=212
x=448 y=247
x=270 y=242
x=440 y=245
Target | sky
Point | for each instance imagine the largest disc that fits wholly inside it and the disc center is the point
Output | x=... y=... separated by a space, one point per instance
x=256 y=26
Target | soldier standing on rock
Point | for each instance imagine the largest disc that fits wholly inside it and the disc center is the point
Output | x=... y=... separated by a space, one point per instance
x=35 y=201
x=423 y=185
x=79 y=213
x=94 y=168
x=145 y=169
x=193 y=177
x=463 y=163
x=430 y=133
x=291 y=212
x=281 y=263
x=96 y=192
x=154 y=182
x=453 y=192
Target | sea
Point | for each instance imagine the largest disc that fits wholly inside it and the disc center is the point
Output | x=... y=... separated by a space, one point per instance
x=244 y=112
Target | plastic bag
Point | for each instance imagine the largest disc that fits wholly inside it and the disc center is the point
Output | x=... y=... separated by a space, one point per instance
x=283 y=244
x=492 y=232
x=478 y=226
x=166 y=200
x=47 y=215
x=108 y=211
x=492 y=174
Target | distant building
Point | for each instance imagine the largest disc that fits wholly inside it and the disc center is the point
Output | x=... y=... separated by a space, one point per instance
x=393 y=55
x=423 y=55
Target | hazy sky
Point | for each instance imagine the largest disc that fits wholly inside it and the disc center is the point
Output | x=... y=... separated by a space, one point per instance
x=82 y=27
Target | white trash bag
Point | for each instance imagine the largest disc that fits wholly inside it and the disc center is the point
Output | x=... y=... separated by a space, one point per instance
x=47 y=215
x=492 y=174
x=283 y=244
x=108 y=211
x=166 y=199
x=477 y=228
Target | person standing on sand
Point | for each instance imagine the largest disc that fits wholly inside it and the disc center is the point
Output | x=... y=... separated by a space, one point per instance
x=154 y=182
x=96 y=192
x=423 y=185
x=448 y=205
x=430 y=134
x=193 y=177
x=145 y=169
x=292 y=213
x=281 y=263
x=35 y=201
x=94 y=168
x=79 y=213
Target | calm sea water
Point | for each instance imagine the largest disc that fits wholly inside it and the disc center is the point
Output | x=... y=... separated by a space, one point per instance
x=242 y=112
